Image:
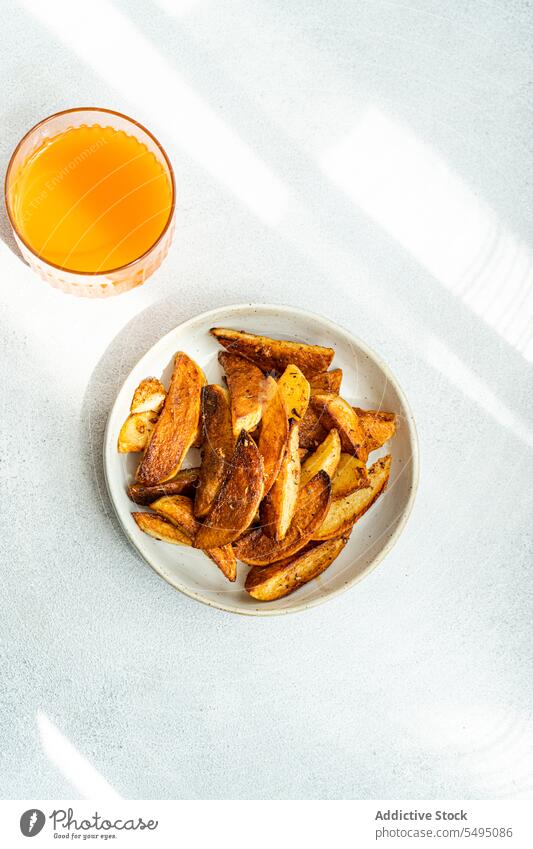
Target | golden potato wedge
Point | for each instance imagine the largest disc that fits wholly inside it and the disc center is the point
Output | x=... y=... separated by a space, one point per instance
x=312 y=504
x=247 y=386
x=178 y=424
x=335 y=412
x=267 y=583
x=294 y=389
x=326 y=382
x=225 y=559
x=238 y=498
x=182 y=484
x=217 y=446
x=344 y=512
x=149 y=396
x=178 y=510
x=312 y=430
x=161 y=529
x=136 y=431
x=274 y=433
x=277 y=508
x=378 y=427
x=275 y=355
x=326 y=457
x=351 y=475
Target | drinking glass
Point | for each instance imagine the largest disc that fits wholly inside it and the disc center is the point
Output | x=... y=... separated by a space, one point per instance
x=90 y=283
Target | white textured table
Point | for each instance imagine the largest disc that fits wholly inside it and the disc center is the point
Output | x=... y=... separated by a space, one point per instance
x=371 y=161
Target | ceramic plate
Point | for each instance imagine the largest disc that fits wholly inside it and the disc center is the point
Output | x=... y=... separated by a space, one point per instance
x=367 y=383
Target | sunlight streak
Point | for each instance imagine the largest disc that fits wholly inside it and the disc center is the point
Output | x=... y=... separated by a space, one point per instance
x=411 y=192
x=441 y=358
x=494 y=742
x=116 y=49
x=68 y=760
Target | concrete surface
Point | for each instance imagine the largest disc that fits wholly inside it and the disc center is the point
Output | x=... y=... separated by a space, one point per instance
x=371 y=161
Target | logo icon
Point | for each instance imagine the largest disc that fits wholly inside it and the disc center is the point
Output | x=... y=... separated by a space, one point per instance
x=32 y=822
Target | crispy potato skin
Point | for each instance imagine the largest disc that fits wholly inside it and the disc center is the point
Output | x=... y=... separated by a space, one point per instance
x=378 y=427
x=178 y=510
x=312 y=431
x=328 y=382
x=277 y=508
x=335 y=412
x=238 y=498
x=351 y=475
x=178 y=424
x=225 y=559
x=326 y=457
x=274 y=355
x=294 y=388
x=344 y=512
x=274 y=433
x=136 y=431
x=312 y=504
x=149 y=396
x=182 y=484
x=247 y=386
x=160 y=528
x=267 y=583
x=217 y=446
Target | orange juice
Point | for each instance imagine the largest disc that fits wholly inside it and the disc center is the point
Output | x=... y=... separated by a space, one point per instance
x=91 y=199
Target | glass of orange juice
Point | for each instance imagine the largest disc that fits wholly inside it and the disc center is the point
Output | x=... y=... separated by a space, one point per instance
x=90 y=195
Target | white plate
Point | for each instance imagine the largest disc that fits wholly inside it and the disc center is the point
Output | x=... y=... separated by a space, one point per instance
x=367 y=383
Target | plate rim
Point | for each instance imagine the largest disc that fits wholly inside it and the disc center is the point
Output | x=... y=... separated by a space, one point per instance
x=415 y=459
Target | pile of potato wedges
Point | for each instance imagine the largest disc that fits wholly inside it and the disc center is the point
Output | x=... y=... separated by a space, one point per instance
x=284 y=472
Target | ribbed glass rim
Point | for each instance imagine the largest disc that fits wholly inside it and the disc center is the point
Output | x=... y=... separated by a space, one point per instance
x=102 y=271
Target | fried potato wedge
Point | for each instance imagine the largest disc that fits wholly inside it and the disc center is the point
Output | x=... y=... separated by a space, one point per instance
x=295 y=390
x=238 y=498
x=326 y=457
x=351 y=475
x=326 y=382
x=335 y=412
x=217 y=446
x=147 y=401
x=378 y=427
x=267 y=583
x=178 y=424
x=344 y=512
x=247 y=386
x=149 y=396
x=277 y=508
x=312 y=504
x=275 y=354
x=312 y=430
x=161 y=529
x=182 y=484
x=178 y=510
x=136 y=431
x=225 y=559
x=274 y=433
